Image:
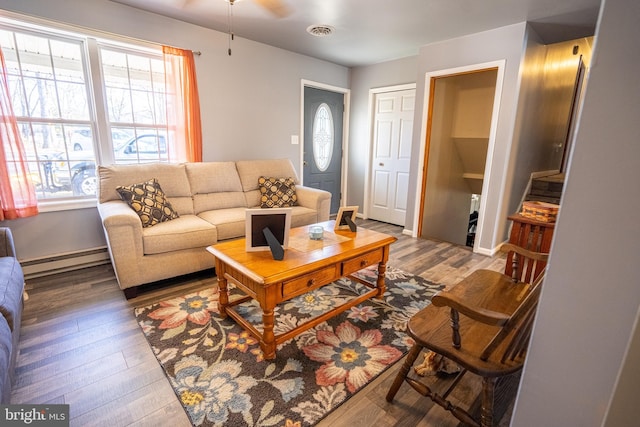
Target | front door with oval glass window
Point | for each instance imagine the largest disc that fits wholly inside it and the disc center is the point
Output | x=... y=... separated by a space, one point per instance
x=323 y=114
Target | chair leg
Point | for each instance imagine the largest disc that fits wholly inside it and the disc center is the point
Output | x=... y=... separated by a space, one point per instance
x=488 y=389
x=404 y=371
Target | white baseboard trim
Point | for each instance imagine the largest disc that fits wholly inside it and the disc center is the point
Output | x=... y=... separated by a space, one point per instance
x=38 y=267
x=487 y=252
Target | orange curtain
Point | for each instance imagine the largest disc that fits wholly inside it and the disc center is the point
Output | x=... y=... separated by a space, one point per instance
x=17 y=192
x=183 y=105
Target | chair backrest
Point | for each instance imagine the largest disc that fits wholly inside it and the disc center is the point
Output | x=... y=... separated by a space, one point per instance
x=518 y=326
x=523 y=265
x=530 y=234
x=526 y=267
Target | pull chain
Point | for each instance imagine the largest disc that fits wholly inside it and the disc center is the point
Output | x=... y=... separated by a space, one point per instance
x=230 y=20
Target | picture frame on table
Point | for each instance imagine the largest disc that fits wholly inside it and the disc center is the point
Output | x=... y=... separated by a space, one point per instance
x=342 y=223
x=277 y=220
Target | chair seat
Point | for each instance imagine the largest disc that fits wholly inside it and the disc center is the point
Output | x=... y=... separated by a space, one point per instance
x=429 y=327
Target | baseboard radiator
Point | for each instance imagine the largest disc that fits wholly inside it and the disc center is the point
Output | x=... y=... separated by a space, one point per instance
x=45 y=266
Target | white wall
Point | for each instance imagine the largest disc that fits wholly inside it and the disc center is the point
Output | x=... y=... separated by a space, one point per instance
x=527 y=136
x=504 y=43
x=591 y=296
x=624 y=410
x=250 y=102
x=363 y=79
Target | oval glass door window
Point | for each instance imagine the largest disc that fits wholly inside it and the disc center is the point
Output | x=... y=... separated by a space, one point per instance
x=323 y=138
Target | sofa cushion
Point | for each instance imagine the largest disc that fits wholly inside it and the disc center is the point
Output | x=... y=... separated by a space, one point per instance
x=212 y=201
x=173 y=178
x=148 y=200
x=11 y=289
x=252 y=198
x=186 y=232
x=215 y=185
x=230 y=223
x=302 y=216
x=277 y=192
x=251 y=170
x=213 y=177
x=5 y=361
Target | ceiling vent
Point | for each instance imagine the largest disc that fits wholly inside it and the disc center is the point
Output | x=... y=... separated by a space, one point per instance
x=320 y=30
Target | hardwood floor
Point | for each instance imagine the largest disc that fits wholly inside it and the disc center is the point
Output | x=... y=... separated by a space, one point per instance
x=80 y=345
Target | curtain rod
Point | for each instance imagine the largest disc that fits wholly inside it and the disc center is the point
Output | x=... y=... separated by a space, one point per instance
x=20 y=19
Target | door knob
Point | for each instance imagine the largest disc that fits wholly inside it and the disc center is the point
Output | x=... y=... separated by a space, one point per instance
x=304 y=163
x=380 y=164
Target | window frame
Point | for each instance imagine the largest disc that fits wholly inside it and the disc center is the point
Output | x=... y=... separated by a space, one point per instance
x=322 y=123
x=90 y=43
x=108 y=155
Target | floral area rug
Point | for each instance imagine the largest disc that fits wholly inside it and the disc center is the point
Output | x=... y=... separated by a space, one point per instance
x=220 y=377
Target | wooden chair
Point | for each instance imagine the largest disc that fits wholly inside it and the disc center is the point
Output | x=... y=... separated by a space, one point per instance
x=530 y=234
x=491 y=336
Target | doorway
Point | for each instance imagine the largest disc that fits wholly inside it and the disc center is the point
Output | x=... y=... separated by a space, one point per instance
x=392 y=129
x=462 y=113
x=322 y=159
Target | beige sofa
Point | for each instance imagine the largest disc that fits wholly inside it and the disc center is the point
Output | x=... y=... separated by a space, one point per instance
x=211 y=199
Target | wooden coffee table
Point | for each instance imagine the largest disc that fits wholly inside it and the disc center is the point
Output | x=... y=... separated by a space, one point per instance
x=307 y=265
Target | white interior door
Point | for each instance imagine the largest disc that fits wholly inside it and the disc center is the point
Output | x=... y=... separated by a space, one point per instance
x=391 y=155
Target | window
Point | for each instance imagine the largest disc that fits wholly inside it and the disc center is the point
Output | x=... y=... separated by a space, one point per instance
x=136 y=106
x=65 y=131
x=49 y=94
x=323 y=137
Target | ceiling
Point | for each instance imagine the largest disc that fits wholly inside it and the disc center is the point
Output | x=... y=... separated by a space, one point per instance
x=372 y=31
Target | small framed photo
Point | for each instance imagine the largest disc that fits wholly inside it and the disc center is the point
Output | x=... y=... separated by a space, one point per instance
x=343 y=213
x=277 y=220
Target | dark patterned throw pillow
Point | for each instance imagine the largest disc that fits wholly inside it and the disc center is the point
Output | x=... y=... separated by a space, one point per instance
x=277 y=192
x=148 y=201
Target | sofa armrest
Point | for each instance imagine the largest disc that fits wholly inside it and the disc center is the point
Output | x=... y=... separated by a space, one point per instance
x=7 y=247
x=123 y=231
x=316 y=199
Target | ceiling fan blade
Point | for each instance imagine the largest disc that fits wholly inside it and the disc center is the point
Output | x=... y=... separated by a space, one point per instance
x=184 y=3
x=277 y=7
